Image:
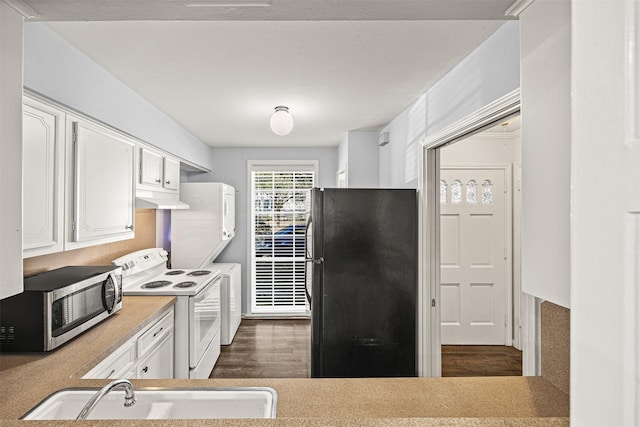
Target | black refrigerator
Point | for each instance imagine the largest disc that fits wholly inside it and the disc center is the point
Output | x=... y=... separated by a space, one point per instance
x=362 y=282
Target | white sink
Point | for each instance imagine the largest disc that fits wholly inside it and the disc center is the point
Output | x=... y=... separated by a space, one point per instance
x=160 y=403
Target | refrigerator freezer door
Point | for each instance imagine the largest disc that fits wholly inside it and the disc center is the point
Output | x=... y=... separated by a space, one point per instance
x=364 y=307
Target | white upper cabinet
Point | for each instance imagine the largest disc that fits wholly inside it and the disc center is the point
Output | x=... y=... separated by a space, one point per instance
x=158 y=172
x=150 y=168
x=43 y=179
x=171 y=174
x=102 y=205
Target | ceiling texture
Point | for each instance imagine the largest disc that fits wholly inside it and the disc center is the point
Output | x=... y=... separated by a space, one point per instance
x=220 y=67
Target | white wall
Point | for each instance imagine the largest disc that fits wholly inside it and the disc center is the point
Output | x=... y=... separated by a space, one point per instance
x=398 y=160
x=343 y=152
x=483 y=148
x=57 y=70
x=10 y=151
x=488 y=73
x=358 y=152
x=546 y=150
x=605 y=213
x=229 y=165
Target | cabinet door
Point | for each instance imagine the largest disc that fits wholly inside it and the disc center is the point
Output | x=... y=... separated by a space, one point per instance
x=120 y=364
x=150 y=168
x=159 y=362
x=104 y=184
x=43 y=179
x=171 y=174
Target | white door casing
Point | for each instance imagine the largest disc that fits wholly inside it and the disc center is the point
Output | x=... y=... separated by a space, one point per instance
x=429 y=329
x=475 y=255
x=517 y=256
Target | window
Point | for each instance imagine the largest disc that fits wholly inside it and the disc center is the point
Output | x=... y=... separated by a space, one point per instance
x=280 y=202
x=443 y=192
x=471 y=192
x=456 y=192
x=487 y=192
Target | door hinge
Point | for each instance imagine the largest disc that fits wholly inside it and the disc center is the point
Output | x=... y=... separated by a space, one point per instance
x=505 y=320
x=433 y=302
x=73 y=226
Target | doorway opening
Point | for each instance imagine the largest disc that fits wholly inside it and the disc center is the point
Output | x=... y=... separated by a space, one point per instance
x=479 y=253
x=430 y=298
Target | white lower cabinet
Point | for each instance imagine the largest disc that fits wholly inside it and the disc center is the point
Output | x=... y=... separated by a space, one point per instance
x=158 y=363
x=148 y=354
x=120 y=364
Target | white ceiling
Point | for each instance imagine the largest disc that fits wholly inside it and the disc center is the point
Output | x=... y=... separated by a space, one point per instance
x=221 y=78
x=261 y=10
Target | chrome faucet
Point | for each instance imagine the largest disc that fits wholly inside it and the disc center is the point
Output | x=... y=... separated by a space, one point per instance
x=129 y=397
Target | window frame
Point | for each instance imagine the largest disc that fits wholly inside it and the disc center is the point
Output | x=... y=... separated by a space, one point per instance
x=269 y=166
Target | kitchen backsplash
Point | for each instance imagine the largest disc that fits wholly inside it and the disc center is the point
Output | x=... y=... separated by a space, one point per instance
x=555 y=344
x=145 y=237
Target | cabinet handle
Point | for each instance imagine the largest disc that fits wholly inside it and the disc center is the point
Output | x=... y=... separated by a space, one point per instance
x=159 y=330
x=113 y=371
x=145 y=369
x=158 y=180
x=168 y=182
x=129 y=227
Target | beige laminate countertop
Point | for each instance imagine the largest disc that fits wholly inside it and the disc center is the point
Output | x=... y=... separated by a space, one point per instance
x=26 y=379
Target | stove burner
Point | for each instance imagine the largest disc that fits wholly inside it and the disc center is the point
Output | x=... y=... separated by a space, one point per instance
x=199 y=273
x=156 y=284
x=185 y=285
x=174 y=272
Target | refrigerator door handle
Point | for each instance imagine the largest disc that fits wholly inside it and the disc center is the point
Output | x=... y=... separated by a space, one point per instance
x=318 y=261
x=306 y=236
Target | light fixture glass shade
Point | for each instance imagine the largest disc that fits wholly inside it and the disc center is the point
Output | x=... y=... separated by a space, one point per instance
x=281 y=121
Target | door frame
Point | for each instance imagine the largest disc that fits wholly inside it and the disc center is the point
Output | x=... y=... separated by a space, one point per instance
x=508 y=224
x=430 y=363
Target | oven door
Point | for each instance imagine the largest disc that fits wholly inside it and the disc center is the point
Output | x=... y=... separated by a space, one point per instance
x=204 y=320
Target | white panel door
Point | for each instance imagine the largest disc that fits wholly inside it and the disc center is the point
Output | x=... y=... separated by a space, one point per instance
x=474 y=254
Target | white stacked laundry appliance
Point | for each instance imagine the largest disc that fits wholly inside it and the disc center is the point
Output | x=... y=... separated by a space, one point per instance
x=199 y=234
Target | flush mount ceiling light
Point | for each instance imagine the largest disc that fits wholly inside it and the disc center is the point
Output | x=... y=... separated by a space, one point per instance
x=281 y=121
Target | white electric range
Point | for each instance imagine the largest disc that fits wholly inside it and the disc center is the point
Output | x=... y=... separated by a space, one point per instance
x=197 y=309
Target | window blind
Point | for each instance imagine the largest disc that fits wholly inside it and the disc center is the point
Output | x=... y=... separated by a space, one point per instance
x=280 y=205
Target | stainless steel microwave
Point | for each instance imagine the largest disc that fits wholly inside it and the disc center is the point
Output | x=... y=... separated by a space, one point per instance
x=58 y=305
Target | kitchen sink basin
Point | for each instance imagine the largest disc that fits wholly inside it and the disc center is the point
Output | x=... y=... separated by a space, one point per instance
x=160 y=403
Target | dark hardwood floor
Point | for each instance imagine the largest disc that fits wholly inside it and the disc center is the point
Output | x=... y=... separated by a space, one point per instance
x=267 y=349
x=281 y=349
x=480 y=361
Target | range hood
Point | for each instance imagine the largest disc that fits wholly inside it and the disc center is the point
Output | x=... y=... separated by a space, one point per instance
x=158 y=200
